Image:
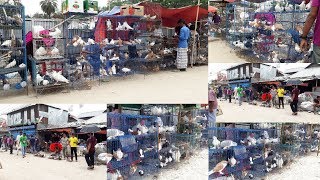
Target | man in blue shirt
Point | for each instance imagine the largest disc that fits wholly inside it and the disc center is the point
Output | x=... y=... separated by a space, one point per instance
x=182 y=52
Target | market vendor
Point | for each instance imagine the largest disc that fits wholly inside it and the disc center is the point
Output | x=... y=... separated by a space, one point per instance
x=182 y=52
x=313 y=17
x=92 y=52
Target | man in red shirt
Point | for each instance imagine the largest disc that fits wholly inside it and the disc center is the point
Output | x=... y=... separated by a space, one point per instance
x=294 y=104
x=91 y=142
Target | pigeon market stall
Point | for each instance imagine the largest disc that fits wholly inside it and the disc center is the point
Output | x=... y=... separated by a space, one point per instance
x=268 y=30
x=13 y=61
x=243 y=151
x=49 y=66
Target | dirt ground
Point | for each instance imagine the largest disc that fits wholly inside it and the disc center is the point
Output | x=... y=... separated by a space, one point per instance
x=161 y=87
x=221 y=52
x=254 y=113
x=32 y=168
x=306 y=167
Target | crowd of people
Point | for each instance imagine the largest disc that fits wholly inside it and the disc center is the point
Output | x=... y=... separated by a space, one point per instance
x=58 y=144
x=270 y=96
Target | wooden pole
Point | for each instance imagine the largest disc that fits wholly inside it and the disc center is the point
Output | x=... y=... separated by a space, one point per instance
x=194 y=35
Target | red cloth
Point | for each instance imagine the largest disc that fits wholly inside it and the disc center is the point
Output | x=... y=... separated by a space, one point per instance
x=266 y=97
x=55 y=147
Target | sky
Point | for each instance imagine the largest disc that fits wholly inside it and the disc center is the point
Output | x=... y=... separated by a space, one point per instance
x=214 y=68
x=76 y=109
x=32 y=6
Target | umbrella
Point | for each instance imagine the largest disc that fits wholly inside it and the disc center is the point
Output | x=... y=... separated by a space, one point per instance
x=90 y=129
x=293 y=82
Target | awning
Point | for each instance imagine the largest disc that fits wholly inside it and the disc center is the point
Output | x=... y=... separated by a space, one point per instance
x=60 y=130
x=100 y=132
x=269 y=83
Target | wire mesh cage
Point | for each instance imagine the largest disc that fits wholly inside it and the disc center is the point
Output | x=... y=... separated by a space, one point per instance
x=13 y=64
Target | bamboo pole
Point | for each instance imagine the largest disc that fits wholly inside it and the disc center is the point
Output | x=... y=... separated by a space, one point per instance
x=194 y=35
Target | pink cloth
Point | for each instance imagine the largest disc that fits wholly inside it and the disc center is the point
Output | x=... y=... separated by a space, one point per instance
x=213 y=98
x=316 y=37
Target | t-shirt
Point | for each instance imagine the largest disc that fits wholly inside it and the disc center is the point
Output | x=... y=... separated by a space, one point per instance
x=316 y=39
x=240 y=92
x=93 y=142
x=280 y=92
x=64 y=141
x=23 y=141
x=73 y=141
x=184 y=37
x=32 y=141
x=18 y=138
x=295 y=94
x=10 y=141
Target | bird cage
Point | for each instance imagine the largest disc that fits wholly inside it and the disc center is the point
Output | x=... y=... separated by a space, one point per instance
x=13 y=62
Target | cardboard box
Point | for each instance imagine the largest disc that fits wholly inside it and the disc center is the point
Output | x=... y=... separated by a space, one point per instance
x=75 y=6
x=129 y=10
x=91 y=6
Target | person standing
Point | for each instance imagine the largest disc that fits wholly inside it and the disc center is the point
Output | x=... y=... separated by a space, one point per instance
x=73 y=144
x=10 y=142
x=4 y=142
x=32 y=144
x=213 y=106
x=281 y=92
x=273 y=93
x=294 y=104
x=182 y=54
x=240 y=94
x=235 y=94
x=65 y=142
x=313 y=16
x=23 y=144
x=18 y=144
x=229 y=92
x=91 y=142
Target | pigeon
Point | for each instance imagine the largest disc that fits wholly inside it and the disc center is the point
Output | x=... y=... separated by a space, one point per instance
x=215 y=142
x=39 y=79
x=22 y=65
x=232 y=161
x=109 y=24
x=6 y=87
x=45 y=82
x=141 y=153
x=308 y=6
x=23 y=84
x=91 y=41
x=11 y=64
x=219 y=168
x=118 y=154
x=126 y=70
x=113 y=69
x=227 y=143
x=251 y=139
x=141 y=173
x=302 y=6
x=41 y=51
x=153 y=17
x=297 y=48
x=244 y=15
x=55 y=51
x=56 y=33
x=120 y=27
x=112 y=133
x=11 y=75
x=6 y=43
x=251 y=161
x=278 y=8
x=126 y=26
x=275 y=58
x=59 y=77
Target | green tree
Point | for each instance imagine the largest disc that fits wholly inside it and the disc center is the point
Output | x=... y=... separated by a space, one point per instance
x=49 y=7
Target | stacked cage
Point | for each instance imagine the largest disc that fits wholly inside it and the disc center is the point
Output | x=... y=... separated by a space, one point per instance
x=267 y=31
x=13 y=62
x=241 y=150
x=136 y=148
x=49 y=67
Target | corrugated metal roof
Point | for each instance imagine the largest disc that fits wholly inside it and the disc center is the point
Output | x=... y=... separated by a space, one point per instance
x=100 y=119
x=90 y=114
x=312 y=72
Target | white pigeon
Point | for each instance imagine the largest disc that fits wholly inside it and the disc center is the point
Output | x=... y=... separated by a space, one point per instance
x=302 y=6
x=152 y=43
x=11 y=64
x=227 y=143
x=153 y=17
x=252 y=140
x=6 y=43
x=56 y=33
x=112 y=133
x=118 y=154
x=278 y=8
x=92 y=25
x=11 y=75
x=55 y=51
x=109 y=24
x=41 y=51
x=275 y=58
x=6 y=87
x=113 y=69
x=215 y=142
x=232 y=161
x=141 y=153
x=126 y=26
x=59 y=77
x=297 y=48
x=39 y=79
x=45 y=82
x=126 y=70
x=23 y=84
x=244 y=15
x=289 y=7
x=251 y=161
x=22 y=65
x=308 y=6
x=120 y=27
x=112 y=41
x=91 y=41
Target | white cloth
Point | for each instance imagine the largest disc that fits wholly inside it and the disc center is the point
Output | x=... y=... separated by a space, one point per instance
x=182 y=58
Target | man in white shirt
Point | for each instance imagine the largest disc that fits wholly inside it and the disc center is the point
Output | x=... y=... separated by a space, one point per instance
x=235 y=94
x=18 y=142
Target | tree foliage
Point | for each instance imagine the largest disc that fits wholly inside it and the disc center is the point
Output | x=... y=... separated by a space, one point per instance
x=49 y=7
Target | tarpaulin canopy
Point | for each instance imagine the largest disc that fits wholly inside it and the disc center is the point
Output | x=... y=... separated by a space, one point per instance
x=114 y=11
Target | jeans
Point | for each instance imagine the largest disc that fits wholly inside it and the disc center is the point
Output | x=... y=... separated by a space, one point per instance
x=294 y=106
x=90 y=158
x=23 y=150
x=240 y=100
x=64 y=151
x=316 y=54
x=33 y=148
x=74 y=150
x=229 y=98
x=281 y=102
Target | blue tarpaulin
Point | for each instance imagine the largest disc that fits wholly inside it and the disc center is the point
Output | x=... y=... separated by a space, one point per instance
x=115 y=10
